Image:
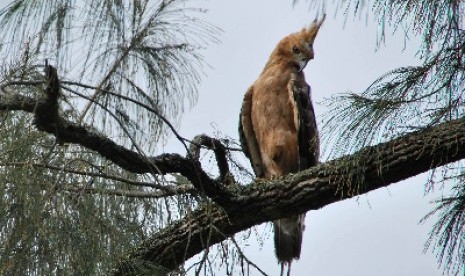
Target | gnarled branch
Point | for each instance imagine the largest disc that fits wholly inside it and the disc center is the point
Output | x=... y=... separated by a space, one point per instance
x=48 y=119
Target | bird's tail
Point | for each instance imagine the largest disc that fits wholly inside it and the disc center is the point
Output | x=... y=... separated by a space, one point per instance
x=288 y=237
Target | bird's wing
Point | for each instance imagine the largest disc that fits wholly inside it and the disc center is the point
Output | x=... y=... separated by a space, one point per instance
x=304 y=117
x=247 y=135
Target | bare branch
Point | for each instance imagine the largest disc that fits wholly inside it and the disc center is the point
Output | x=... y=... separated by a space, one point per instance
x=220 y=154
x=48 y=119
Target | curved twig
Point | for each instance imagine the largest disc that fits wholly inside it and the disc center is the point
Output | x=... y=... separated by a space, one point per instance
x=220 y=154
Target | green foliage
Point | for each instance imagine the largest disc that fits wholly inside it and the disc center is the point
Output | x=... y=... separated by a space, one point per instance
x=408 y=98
x=447 y=239
x=137 y=268
x=143 y=52
x=50 y=225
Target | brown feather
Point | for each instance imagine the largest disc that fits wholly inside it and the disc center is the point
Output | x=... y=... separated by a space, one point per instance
x=278 y=128
x=247 y=135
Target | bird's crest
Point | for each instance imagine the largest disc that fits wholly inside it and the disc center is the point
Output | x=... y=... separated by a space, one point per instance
x=311 y=31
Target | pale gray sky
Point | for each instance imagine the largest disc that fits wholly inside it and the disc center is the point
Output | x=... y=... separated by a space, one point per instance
x=376 y=234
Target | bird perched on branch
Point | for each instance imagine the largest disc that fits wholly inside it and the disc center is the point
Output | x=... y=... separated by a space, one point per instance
x=278 y=129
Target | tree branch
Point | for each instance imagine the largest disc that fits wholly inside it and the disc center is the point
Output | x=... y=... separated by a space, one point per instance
x=366 y=170
x=17 y=102
x=243 y=207
x=48 y=119
x=220 y=154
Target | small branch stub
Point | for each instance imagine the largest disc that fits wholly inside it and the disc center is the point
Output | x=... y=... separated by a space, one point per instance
x=46 y=111
x=220 y=155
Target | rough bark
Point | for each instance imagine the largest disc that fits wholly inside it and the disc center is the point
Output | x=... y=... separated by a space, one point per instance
x=235 y=208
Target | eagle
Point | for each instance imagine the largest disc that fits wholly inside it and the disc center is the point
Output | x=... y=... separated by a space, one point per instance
x=277 y=127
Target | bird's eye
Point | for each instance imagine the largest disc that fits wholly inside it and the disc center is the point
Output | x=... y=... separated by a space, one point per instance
x=310 y=45
x=295 y=50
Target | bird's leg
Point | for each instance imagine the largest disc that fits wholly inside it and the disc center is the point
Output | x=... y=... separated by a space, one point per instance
x=289 y=269
x=282 y=269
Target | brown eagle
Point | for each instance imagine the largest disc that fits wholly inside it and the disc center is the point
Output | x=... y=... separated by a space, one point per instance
x=278 y=130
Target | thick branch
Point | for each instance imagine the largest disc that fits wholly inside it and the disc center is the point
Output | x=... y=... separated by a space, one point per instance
x=361 y=172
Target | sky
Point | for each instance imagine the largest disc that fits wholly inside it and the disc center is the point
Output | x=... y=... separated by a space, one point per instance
x=375 y=234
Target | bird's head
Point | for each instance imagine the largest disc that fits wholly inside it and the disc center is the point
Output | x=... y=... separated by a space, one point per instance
x=298 y=47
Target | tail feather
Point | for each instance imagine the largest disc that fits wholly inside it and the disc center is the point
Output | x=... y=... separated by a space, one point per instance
x=288 y=238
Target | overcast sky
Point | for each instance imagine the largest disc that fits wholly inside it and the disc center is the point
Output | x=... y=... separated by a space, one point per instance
x=375 y=234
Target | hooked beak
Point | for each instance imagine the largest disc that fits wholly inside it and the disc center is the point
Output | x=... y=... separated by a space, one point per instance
x=303 y=62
